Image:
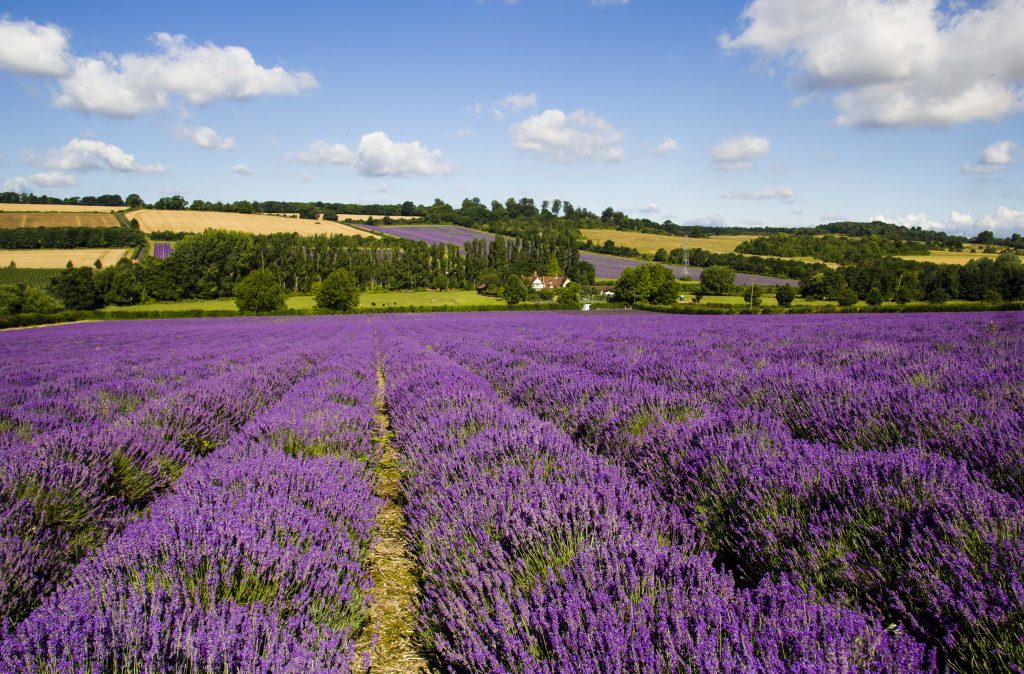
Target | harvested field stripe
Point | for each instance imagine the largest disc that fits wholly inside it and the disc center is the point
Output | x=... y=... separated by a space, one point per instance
x=390 y=637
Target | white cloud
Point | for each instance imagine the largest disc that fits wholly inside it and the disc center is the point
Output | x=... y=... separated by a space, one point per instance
x=378 y=155
x=47 y=179
x=1003 y=220
x=84 y=154
x=734 y=154
x=52 y=179
x=322 y=152
x=572 y=137
x=466 y=133
x=28 y=48
x=666 y=146
x=781 y=193
x=713 y=220
x=648 y=208
x=513 y=103
x=993 y=158
x=205 y=137
x=241 y=169
x=896 y=63
x=132 y=84
x=17 y=184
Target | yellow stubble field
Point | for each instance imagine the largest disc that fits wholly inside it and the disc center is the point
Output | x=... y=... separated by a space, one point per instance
x=58 y=208
x=10 y=220
x=650 y=243
x=57 y=258
x=199 y=221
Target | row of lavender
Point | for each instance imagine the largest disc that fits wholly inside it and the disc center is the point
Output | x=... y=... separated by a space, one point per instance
x=254 y=560
x=64 y=487
x=540 y=556
x=774 y=455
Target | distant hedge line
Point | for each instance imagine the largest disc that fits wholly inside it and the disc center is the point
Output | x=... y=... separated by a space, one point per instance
x=70 y=237
x=830 y=309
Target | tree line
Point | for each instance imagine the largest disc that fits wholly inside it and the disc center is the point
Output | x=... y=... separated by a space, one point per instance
x=209 y=265
x=70 y=237
x=832 y=248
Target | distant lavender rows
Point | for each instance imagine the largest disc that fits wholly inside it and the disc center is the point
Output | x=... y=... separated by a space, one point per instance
x=162 y=251
x=607 y=266
x=735 y=494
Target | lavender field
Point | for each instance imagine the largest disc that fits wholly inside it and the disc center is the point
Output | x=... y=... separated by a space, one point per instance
x=577 y=493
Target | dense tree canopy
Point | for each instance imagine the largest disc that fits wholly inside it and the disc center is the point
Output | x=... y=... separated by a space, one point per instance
x=259 y=292
x=338 y=292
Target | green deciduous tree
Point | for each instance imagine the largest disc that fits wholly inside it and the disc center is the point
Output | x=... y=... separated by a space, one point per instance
x=515 y=290
x=338 y=292
x=553 y=268
x=650 y=283
x=259 y=292
x=76 y=288
x=785 y=295
x=717 y=280
x=571 y=295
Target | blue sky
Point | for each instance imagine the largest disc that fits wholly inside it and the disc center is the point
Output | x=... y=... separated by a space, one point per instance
x=772 y=112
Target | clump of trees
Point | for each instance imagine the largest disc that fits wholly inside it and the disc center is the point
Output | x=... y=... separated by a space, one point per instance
x=648 y=284
x=338 y=292
x=22 y=299
x=717 y=280
x=70 y=237
x=259 y=292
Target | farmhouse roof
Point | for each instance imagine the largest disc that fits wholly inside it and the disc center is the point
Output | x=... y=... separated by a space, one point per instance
x=549 y=282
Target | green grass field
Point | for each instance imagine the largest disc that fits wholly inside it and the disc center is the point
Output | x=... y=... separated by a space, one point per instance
x=368 y=300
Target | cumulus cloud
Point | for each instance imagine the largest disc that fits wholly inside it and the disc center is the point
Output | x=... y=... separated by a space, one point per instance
x=205 y=137
x=734 y=154
x=513 y=103
x=648 y=208
x=322 y=152
x=666 y=146
x=28 y=48
x=85 y=154
x=52 y=179
x=378 y=155
x=18 y=184
x=713 y=220
x=241 y=169
x=133 y=84
x=896 y=63
x=780 y=193
x=576 y=136
x=48 y=179
x=1003 y=220
x=993 y=158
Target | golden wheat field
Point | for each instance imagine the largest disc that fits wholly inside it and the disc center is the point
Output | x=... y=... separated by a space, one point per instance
x=198 y=221
x=58 y=208
x=650 y=243
x=57 y=258
x=69 y=219
x=948 y=257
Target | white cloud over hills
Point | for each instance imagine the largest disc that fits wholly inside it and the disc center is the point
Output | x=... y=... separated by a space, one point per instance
x=576 y=136
x=132 y=84
x=896 y=62
x=378 y=155
x=735 y=154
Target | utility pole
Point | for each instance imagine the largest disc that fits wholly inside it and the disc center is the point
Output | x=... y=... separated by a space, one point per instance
x=686 y=256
